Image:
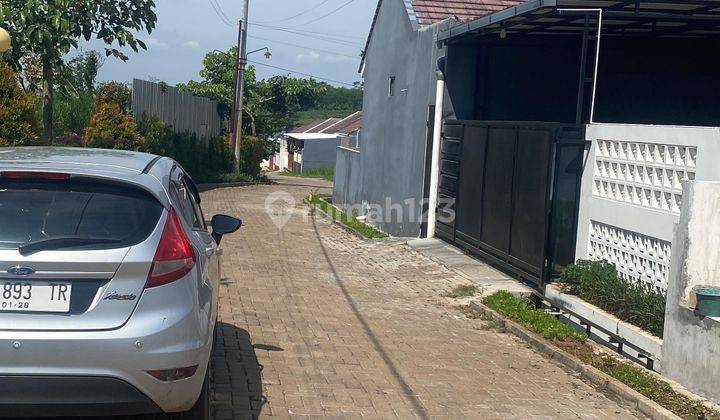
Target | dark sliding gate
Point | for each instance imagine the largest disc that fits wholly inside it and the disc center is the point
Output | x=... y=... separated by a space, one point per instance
x=509 y=192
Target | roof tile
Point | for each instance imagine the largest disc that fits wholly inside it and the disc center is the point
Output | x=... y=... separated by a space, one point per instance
x=432 y=11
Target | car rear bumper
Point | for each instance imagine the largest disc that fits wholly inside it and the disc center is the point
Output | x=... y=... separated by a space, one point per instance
x=157 y=336
x=32 y=396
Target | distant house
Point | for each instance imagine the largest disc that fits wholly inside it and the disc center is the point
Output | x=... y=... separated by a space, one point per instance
x=314 y=145
x=398 y=70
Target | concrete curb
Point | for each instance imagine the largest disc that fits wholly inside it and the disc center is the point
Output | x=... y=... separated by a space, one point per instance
x=209 y=187
x=348 y=229
x=651 y=344
x=314 y=208
x=600 y=380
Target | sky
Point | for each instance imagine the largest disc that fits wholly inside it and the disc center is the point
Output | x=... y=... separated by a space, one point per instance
x=322 y=38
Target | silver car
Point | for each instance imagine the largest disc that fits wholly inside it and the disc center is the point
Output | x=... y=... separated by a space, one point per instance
x=109 y=283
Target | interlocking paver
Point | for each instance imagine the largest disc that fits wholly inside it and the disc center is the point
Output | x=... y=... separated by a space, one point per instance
x=316 y=322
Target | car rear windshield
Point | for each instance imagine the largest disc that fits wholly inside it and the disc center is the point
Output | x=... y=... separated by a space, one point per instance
x=34 y=210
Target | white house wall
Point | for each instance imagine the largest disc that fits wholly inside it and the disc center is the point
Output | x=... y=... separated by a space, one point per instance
x=631 y=193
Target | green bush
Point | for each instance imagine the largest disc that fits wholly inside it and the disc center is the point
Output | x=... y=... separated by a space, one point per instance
x=18 y=121
x=537 y=320
x=205 y=160
x=111 y=128
x=72 y=112
x=598 y=283
x=114 y=93
x=252 y=151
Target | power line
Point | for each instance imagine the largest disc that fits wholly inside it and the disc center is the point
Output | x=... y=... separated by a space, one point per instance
x=299 y=14
x=220 y=13
x=304 y=47
x=321 y=38
x=342 y=6
x=285 y=28
x=301 y=73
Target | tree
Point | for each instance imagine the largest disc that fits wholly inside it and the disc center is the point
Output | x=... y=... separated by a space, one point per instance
x=80 y=73
x=217 y=79
x=17 y=111
x=268 y=104
x=50 y=28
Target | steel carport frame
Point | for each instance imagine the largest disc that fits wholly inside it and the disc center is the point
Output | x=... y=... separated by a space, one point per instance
x=668 y=18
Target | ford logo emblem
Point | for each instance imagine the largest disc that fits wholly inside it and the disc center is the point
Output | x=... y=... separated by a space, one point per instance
x=20 y=270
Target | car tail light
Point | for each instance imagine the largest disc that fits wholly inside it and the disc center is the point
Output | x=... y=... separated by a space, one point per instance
x=44 y=176
x=167 y=375
x=174 y=256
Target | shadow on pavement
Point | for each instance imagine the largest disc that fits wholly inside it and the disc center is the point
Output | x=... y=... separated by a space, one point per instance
x=237 y=390
x=410 y=394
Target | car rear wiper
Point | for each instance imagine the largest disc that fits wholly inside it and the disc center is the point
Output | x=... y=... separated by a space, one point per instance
x=63 y=242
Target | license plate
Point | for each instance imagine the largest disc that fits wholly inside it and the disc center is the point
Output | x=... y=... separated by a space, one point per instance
x=35 y=296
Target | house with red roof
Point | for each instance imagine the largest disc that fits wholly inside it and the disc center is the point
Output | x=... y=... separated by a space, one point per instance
x=313 y=145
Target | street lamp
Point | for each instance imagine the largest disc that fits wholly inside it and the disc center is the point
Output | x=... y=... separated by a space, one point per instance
x=267 y=54
x=4 y=40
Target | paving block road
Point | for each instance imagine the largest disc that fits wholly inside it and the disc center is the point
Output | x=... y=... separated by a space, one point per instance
x=315 y=322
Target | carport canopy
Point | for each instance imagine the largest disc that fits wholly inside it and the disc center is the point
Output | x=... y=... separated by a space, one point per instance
x=662 y=18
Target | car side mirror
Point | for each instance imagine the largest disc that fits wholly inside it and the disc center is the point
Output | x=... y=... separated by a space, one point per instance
x=223 y=224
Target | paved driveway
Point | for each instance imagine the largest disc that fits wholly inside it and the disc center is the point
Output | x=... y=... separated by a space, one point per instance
x=315 y=322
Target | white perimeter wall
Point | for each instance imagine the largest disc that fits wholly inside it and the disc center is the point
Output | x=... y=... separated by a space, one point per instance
x=631 y=193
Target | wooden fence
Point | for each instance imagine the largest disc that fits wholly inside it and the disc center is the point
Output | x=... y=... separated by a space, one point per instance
x=181 y=111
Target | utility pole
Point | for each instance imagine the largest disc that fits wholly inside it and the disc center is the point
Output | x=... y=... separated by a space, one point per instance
x=241 y=81
x=233 y=110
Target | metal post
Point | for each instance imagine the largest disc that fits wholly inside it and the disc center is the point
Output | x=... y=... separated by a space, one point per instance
x=583 y=74
x=597 y=53
x=435 y=157
x=233 y=111
x=241 y=90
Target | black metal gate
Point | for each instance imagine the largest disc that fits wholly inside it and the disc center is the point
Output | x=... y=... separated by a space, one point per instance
x=508 y=191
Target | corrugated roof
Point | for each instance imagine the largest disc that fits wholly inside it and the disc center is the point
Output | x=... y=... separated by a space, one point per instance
x=433 y=11
x=304 y=128
x=316 y=126
x=347 y=125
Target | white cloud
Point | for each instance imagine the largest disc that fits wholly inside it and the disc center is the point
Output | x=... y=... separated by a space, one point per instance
x=154 y=42
x=314 y=56
x=311 y=56
x=191 y=44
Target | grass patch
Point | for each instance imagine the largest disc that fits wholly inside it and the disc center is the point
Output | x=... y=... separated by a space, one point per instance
x=465 y=290
x=642 y=381
x=349 y=221
x=539 y=321
x=575 y=343
x=598 y=282
x=328 y=174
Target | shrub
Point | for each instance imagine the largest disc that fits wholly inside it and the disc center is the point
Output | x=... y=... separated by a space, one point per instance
x=598 y=283
x=69 y=140
x=205 y=160
x=72 y=112
x=114 y=93
x=155 y=137
x=110 y=128
x=252 y=152
x=18 y=121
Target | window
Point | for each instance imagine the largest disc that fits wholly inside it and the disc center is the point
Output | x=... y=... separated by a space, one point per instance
x=37 y=210
x=391 y=86
x=189 y=206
